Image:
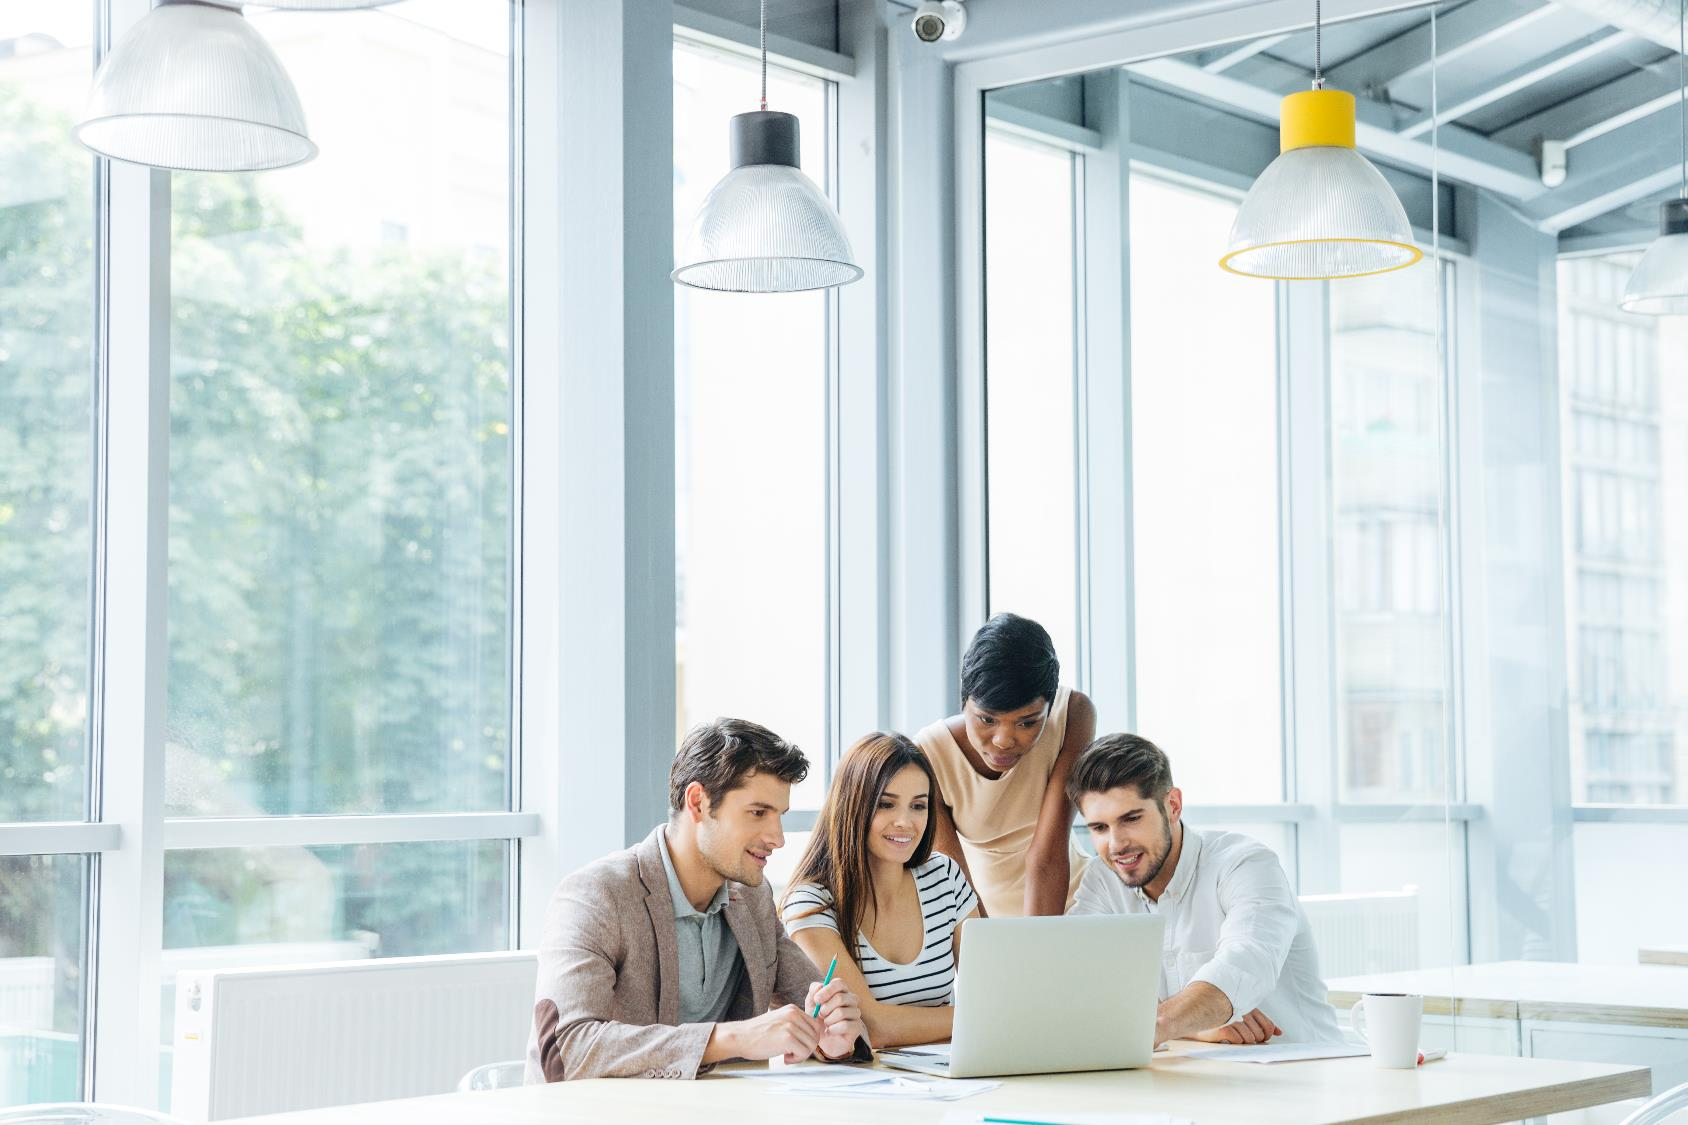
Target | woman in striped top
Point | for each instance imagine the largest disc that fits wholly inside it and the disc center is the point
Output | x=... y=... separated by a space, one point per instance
x=870 y=871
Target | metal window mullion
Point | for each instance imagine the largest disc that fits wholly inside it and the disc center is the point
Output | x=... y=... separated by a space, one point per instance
x=130 y=655
x=1309 y=631
x=515 y=790
x=858 y=347
x=537 y=408
x=342 y=831
x=1080 y=675
x=73 y=837
x=1102 y=281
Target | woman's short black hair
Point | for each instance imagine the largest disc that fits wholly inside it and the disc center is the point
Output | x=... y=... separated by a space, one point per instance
x=1010 y=663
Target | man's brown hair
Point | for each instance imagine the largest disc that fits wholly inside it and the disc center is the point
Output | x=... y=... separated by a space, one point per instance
x=1115 y=760
x=721 y=754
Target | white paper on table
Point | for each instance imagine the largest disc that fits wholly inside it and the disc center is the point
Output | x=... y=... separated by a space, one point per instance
x=975 y=1117
x=896 y=1087
x=815 y=1076
x=1280 y=1052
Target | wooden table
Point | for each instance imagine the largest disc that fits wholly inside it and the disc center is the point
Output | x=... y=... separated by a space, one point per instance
x=1665 y=955
x=1468 y=1089
x=1632 y=995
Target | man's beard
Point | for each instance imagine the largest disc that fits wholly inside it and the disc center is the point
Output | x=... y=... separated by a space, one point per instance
x=1154 y=869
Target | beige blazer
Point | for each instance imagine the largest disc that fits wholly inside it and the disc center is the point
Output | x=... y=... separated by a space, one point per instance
x=608 y=998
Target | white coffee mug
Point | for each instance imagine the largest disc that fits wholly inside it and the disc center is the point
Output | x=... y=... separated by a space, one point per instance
x=1389 y=1023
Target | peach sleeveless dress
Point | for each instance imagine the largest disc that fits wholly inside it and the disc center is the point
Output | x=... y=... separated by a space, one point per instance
x=997 y=818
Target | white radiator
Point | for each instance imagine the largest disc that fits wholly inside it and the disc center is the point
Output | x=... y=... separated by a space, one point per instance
x=268 y=1040
x=1364 y=933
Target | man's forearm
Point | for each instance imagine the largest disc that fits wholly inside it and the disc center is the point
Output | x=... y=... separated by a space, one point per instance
x=1199 y=1007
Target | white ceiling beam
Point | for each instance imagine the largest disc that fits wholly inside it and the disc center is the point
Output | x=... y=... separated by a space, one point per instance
x=1489 y=91
x=1610 y=172
x=1589 y=115
x=1229 y=58
x=1461 y=32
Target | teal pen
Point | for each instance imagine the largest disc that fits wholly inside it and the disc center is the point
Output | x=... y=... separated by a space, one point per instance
x=829 y=970
x=1012 y=1121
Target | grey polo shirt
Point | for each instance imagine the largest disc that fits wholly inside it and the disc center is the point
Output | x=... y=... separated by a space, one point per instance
x=708 y=953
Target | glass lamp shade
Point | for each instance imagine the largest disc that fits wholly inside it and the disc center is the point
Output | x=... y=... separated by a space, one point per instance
x=766 y=227
x=1659 y=285
x=192 y=87
x=1320 y=210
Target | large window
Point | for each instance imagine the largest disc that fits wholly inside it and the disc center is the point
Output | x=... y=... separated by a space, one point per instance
x=46 y=360
x=751 y=387
x=341 y=499
x=1624 y=441
x=1030 y=338
x=47 y=332
x=1204 y=449
x=1387 y=465
x=340 y=438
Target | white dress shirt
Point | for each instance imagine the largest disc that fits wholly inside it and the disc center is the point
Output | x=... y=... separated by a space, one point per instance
x=1233 y=922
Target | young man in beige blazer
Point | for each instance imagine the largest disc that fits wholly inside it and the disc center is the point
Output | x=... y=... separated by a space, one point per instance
x=664 y=959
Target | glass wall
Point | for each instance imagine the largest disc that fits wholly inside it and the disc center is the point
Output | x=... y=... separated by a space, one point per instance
x=1624 y=426
x=47 y=335
x=751 y=392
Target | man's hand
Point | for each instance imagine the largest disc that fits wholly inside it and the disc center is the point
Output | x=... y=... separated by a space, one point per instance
x=1255 y=1027
x=789 y=1031
x=841 y=1019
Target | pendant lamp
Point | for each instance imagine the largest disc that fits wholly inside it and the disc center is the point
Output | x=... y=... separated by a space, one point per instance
x=1320 y=210
x=1659 y=285
x=192 y=87
x=766 y=227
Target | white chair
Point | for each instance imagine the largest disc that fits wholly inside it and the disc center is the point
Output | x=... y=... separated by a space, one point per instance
x=488 y=1076
x=1657 y=1109
x=83 y=1113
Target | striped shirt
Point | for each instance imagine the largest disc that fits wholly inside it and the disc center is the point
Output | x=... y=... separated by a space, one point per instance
x=929 y=980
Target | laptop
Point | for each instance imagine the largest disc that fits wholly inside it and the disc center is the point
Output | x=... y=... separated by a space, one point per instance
x=1045 y=995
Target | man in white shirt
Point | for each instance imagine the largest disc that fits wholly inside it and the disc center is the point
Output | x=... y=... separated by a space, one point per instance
x=1239 y=964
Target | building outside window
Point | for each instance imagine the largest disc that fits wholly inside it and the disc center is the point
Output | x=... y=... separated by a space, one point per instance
x=1624 y=441
x=1387 y=479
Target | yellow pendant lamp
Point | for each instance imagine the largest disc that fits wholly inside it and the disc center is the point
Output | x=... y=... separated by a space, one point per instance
x=1320 y=210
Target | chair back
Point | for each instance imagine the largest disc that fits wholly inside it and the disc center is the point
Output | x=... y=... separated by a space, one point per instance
x=1660 y=1107
x=490 y=1076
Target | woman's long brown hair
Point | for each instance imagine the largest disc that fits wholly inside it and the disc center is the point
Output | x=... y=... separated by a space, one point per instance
x=837 y=856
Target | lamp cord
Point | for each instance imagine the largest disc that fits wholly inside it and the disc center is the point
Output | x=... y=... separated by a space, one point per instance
x=1319 y=45
x=1682 y=84
x=765 y=55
